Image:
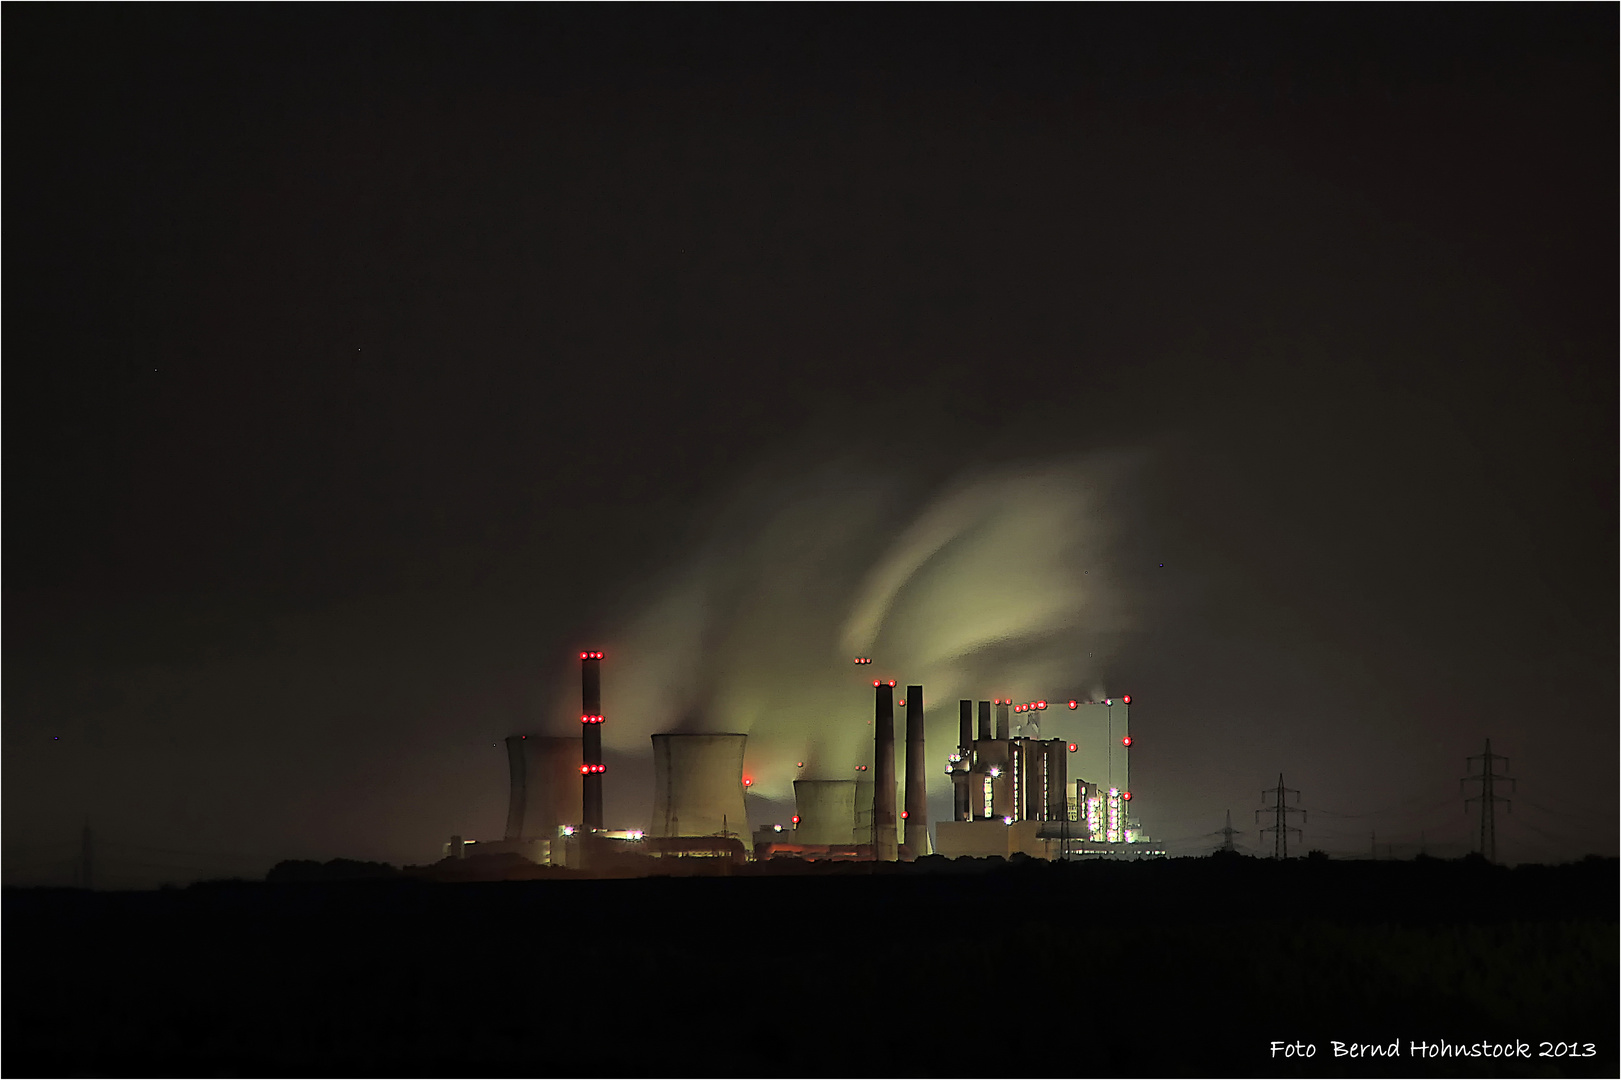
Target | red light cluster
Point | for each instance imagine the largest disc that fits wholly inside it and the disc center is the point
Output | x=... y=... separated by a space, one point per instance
x=863 y=659
x=861 y=768
x=584 y=769
x=590 y=719
x=1041 y=704
x=590 y=656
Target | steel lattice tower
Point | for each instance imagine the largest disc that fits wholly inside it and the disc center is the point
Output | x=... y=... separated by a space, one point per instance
x=1280 y=827
x=1488 y=798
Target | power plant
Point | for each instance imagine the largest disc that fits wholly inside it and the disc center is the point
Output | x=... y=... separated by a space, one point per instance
x=1012 y=792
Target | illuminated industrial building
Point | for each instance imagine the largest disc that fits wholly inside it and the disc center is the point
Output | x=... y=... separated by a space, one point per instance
x=1011 y=793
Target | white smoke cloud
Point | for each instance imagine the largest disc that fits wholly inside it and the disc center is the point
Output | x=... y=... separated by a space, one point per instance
x=998 y=583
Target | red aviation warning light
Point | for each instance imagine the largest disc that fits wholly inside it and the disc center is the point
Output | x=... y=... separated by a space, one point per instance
x=901 y=702
x=892 y=682
x=590 y=656
x=796 y=819
x=875 y=682
x=1126 y=796
x=1073 y=703
x=903 y=815
x=1127 y=699
x=1126 y=742
x=863 y=659
x=1041 y=704
x=1073 y=748
x=748 y=781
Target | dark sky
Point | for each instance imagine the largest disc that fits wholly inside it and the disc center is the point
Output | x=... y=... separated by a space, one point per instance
x=363 y=363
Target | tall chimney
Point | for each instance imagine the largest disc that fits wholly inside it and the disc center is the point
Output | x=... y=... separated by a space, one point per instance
x=985 y=720
x=591 y=766
x=1002 y=718
x=883 y=758
x=965 y=726
x=917 y=793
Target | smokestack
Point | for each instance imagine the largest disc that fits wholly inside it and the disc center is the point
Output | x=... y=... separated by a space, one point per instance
x=698 y=785
x=917 y=794
x=985 y=720
x=547 y=785
x=1002 y=718
x=883 y=765
x=591 y=766
x=965 y=725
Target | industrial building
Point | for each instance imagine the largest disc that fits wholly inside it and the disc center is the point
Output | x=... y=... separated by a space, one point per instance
x=1012 y=793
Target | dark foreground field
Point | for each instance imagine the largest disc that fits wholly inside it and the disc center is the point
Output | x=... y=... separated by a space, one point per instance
x=1180 y=968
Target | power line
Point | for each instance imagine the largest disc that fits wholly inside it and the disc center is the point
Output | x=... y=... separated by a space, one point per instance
x=1403 y=805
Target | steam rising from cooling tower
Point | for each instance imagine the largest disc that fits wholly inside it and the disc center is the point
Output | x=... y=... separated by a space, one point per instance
x=981 y=584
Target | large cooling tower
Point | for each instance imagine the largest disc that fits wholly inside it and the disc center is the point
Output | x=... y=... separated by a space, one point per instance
x=826 y=811
x=546 y=785
x=698 y=785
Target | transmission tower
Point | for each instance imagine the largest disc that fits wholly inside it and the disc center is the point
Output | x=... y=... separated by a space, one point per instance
x=1488 y=798
x=1280 y=827
x=1227 y=835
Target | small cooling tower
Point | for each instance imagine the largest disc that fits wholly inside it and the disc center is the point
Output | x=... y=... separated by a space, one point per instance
x=698 y=785
x=864 y=797
x=546 y=786
x=826 y=810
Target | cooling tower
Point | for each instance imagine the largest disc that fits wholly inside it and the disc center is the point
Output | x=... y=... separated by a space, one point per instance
x=546 y=786
x=698 y=785
x=864 y=790
x=826 y=811
x=883 y=767
x=917 y=791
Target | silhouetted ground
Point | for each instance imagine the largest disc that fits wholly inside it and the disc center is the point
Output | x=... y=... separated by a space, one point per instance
x=1172 y=967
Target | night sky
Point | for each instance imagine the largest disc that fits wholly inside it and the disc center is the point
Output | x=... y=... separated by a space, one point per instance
x=364 y=364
